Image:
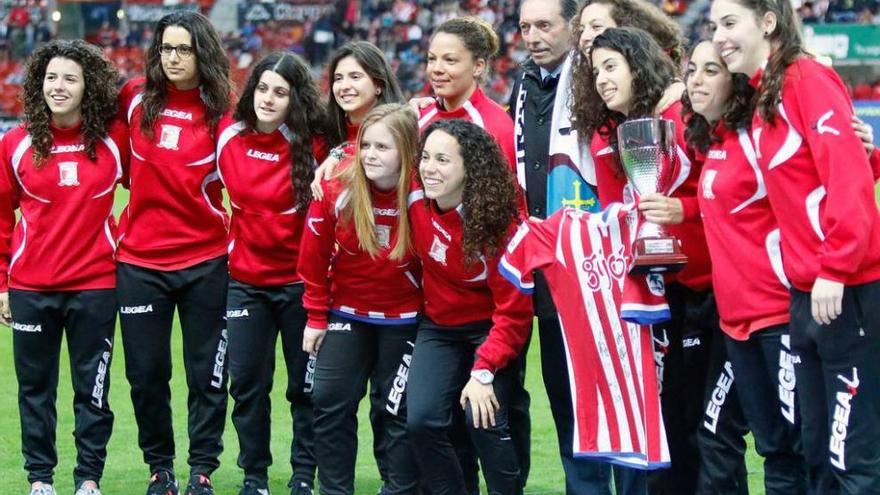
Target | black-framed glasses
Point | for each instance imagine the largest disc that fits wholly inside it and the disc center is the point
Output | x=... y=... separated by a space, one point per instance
x=183 y=51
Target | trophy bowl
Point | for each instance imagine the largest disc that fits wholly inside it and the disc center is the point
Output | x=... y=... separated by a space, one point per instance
x=647 y=151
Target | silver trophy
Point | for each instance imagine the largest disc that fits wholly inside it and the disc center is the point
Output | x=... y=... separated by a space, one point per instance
x=648 y=156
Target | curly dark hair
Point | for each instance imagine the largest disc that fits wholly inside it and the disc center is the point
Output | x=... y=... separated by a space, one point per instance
x=213 y=68
x=638 y=14
x=99 y=100
x=489 y=196
x=372 y=60
x=652 y=72
x=787 y=46
x=737 y=112
x=305 y=115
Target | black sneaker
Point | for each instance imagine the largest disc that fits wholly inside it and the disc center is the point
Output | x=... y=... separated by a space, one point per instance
x=199 y=484
x=252 y=488
x=162 y=483
x=300 y=488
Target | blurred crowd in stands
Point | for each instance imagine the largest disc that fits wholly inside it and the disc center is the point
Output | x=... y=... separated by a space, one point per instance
x=401 y=28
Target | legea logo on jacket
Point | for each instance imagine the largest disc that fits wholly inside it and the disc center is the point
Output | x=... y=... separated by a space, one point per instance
x=262 y=155
x=67 y=148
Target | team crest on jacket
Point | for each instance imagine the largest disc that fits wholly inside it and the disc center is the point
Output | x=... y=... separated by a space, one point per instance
x=656 y=284
x=383 y=236
x=67 y=174
x=708 y=180
x=170 y=137
x=438 y=251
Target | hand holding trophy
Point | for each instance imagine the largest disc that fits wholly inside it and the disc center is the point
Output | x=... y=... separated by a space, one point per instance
x=647 y=154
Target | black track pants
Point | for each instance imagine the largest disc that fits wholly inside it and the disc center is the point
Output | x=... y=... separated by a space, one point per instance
x=39 y=319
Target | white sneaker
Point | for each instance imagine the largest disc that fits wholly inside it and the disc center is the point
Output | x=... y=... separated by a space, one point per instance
x=88 y=491
x=43 y=489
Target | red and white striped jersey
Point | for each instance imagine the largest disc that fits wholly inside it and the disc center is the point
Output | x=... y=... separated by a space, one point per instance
x=820 y=182
x=65 y=239
x=341 y=278
x=743 y=237
x=175 y=216
x=585 y=259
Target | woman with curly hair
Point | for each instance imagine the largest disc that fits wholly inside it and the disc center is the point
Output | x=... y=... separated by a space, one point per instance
x=361 y=79
x=630 y=76
x=269 y=141
x=362 y=318
x=743 y=237
x=820 y=187
x=172 y=245
x=57 y=268
x=593 y=18
x=475 y=322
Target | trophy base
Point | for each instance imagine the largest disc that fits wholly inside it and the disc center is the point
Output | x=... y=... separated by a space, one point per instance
x=657 y=255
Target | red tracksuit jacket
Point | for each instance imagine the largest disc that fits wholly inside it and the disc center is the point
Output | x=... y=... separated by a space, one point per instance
x=457 y=293
x=819 y=180
x=266 y=225
x=66 y=237
x=697 y=275
x=175 y=216
x=743 y=237
x=483 y=112
x=341 y=278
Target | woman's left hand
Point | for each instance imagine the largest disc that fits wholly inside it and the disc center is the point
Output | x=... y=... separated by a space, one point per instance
x=865 y=133
x=671 y=95
x=661 y=209
x=826 y=300
x=483 y=403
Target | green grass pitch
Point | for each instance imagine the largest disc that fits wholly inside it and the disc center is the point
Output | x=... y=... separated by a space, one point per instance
x=126 y=474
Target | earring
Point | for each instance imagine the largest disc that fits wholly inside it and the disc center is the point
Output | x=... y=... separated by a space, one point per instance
x=378 y=92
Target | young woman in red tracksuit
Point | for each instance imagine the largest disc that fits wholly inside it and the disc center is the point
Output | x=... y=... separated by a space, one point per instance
x=362 y=318
x=631 y=74
x=821 y=189
x=743 y=238
x=57 y=265
x=474 y=324
x=458 y=60
x=360 y=79
x=172 y=245
x=459 y=57
x=265 y=158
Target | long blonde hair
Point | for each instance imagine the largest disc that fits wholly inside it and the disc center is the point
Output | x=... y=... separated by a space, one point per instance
x=402 y=123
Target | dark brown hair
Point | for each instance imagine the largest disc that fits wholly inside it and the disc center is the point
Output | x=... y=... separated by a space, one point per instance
x=489 y=196
x=652 y=72
x=373 y=62
x=212 y=65
x=99 y=100
x=737 y=112
x=304 y=120
x=643 y=15
x=787 y=46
